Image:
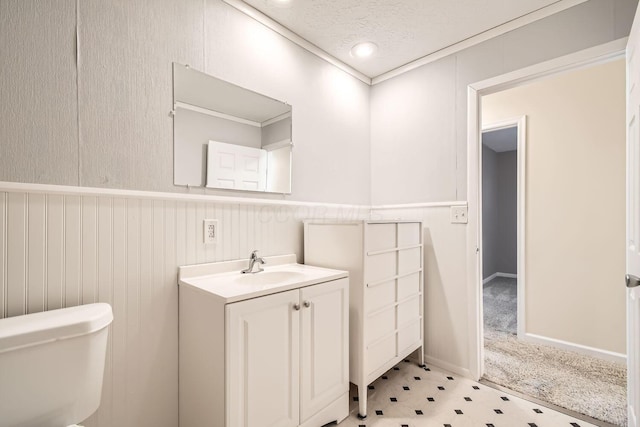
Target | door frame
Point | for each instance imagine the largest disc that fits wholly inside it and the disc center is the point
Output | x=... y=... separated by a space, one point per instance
x=520 y=123
x=596 y=55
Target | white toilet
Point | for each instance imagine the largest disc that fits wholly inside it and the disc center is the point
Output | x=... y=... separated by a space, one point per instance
x=52 y=365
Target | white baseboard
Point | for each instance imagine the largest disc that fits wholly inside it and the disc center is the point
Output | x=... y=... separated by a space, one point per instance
x=578 y=348
x=464 y=372
x=494 y=275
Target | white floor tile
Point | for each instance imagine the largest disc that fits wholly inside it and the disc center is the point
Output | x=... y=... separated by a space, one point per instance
x=483 y=406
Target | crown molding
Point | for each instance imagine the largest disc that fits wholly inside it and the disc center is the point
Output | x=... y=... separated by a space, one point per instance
x=536 y=15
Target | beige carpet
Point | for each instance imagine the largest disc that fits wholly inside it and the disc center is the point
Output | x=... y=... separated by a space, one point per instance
x=570 y=380
x=583 y=384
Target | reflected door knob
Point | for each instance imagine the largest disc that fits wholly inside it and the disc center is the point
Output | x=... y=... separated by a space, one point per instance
x=296 y=307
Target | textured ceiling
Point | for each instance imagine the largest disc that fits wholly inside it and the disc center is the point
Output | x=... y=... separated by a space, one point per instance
x=404 y=30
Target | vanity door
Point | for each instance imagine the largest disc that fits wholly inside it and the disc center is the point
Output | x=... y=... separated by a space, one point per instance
x=324 y=345
x=263 y=361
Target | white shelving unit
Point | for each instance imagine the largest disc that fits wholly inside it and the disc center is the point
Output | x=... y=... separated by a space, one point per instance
x=385 y=264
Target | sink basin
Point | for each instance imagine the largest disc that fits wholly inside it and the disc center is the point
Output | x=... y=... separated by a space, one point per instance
x=223 y=280
x=269 y=277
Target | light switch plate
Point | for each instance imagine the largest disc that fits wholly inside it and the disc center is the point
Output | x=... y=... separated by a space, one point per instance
x=210 y=231
x=459 y=215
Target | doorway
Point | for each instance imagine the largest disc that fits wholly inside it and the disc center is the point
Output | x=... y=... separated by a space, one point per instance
x=554 y=325
x=500 y=211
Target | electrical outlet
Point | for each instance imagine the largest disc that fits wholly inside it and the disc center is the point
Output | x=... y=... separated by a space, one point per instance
x=210 y=231
x=458 y=214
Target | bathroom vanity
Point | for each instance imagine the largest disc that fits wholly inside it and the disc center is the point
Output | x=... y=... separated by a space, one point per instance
x=384 y=260
x=263 y=349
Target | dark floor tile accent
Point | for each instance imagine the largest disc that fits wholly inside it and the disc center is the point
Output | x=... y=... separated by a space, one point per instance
x=422 y=413
x=427 y=369
x=395 y=368
x=406 y=360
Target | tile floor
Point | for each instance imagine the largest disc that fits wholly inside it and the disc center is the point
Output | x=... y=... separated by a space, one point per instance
x=411 y=396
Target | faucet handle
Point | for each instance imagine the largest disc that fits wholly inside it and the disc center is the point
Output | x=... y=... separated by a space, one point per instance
x=254 y=254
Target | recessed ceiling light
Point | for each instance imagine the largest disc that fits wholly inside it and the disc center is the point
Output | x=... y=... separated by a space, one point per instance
x=364 y=49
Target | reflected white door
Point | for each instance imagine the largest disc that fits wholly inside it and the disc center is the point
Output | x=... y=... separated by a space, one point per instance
x=633 y=224
x=236 y=167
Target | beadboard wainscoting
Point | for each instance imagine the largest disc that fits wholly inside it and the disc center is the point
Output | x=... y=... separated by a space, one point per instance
x=446 y=317
x=64 y=246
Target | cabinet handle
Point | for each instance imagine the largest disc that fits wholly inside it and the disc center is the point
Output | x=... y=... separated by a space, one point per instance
x=296 y=307
x=307 y=304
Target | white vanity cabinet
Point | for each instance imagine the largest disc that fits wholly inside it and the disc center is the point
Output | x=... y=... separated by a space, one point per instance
x=273 y=360
x=263 y=358
x=385 y=264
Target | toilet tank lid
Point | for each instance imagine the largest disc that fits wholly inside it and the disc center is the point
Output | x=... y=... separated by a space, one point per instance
x=38 y=328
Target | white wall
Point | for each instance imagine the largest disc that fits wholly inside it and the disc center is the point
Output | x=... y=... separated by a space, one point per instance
x=575 y=203
x=419 y=119
x=92 y=108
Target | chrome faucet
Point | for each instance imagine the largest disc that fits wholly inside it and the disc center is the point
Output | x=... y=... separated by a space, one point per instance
x=252 y=260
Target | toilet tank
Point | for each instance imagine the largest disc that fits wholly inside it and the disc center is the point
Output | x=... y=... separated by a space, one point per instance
x=52 y=365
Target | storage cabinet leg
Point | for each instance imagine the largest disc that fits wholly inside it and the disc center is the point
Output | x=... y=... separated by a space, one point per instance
x=362 y=401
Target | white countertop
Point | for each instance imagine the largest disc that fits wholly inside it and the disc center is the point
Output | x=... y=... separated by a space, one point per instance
x=224 y=280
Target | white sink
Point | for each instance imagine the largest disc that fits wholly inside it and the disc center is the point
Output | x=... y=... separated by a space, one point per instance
x=281 y=273
x=269 y=277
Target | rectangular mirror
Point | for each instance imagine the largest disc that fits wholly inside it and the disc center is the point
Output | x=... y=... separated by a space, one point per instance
x=225 y=136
